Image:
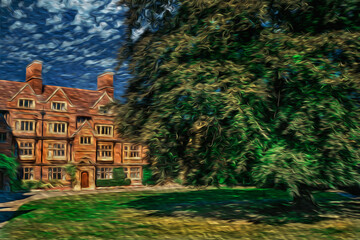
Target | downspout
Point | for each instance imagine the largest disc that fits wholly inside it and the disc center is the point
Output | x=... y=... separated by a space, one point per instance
x=42 y=143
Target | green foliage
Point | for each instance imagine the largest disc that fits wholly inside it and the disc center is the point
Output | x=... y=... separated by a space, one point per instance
x=266 y=91
x=147 y=178
x=10 y=165
x=118 y=179
x=71 y=170
x=37 y=184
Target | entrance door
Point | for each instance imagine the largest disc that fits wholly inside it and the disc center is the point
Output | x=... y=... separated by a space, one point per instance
x=84 y=180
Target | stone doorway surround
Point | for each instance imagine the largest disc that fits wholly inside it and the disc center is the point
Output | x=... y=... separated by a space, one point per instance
x=85 y=166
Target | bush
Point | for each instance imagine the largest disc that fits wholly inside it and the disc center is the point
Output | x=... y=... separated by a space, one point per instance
x=36 y=184
x=10 y=165
x=148 y=178
x=118 y=179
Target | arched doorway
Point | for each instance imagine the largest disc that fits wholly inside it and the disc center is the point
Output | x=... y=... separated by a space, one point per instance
x=84 y=179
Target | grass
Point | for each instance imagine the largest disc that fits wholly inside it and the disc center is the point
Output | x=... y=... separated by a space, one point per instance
x=186 y=214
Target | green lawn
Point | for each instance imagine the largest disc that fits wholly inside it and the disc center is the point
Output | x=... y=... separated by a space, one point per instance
x=186 y=214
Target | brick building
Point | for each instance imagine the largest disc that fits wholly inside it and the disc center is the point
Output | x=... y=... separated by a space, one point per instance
x=48 y=127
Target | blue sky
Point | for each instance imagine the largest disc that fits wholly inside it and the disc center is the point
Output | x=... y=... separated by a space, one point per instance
x=76 y=39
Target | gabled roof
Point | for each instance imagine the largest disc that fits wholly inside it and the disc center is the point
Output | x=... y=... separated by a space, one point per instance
x=82 y=125
x=81 y=98
x=105 y=94
x=59 y=90
x=22 y=89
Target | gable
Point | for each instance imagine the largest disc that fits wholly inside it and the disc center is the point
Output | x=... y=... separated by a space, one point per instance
x=26 y=91
x=103 y=100
x=59 y=95
x=84 y=129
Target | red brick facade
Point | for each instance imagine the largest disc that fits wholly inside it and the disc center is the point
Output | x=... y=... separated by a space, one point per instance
x=50 y=127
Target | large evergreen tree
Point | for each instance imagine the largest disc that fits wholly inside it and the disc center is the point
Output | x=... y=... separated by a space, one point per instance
x=222 y=89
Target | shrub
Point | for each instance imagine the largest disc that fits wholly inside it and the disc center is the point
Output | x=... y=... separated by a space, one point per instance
x=10 y=165
x=118 y=179
x=37 y=184
x=71 y=170
x=148 y=178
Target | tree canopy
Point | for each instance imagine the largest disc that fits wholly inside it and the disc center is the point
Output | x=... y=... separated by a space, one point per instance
x=268 y=89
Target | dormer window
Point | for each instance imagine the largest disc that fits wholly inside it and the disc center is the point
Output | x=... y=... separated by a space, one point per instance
x=26 y=103
x=103 y=110
x=58 y=106
x=80 y=120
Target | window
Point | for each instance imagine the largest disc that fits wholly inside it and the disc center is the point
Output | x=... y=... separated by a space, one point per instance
x=104 y=173
x=103 y=110
x=132 y=172
x=104 y=130
x=135 y=172
x=131 y=151
x=2 y=136
x=104 y=151
x=28 y=173
x=85 y=140
x=26 y=149
x=56 y=150
x=26 y=103
x=56 y=173
x=58 y=106
x=25 y=125
x=58 y=128
x=81 y=120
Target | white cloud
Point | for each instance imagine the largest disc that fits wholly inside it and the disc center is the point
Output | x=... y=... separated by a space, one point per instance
x=118 y=23
x=24 y=26
x=92 y=62
x=37 y=36
x=5 y=3
x=19 y=14
x=54 y=20
x=78 y=29
x=52 y=6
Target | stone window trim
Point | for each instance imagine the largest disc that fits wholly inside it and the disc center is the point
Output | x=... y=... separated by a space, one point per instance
x=24 y=125
x=56 y=173
x=26 y=103
x=3 y=137
x=104 y=130
x=27 y=173
x=105 y=173
x=132 y=151
x=105 y=151
x=26 y=148
x=57 y=127
x=132 y=172
x=56 y=150
x=85 y=140
x=59 y=106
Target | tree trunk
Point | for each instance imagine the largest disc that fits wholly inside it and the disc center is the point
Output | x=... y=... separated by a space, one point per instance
x=304 y=201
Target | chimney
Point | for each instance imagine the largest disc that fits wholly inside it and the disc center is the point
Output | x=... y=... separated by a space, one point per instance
x=106 y=81
x=33 y=76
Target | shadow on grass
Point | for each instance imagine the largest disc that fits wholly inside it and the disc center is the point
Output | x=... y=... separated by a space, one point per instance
x=254 y=205
x=8 y=215
x=10 y=196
